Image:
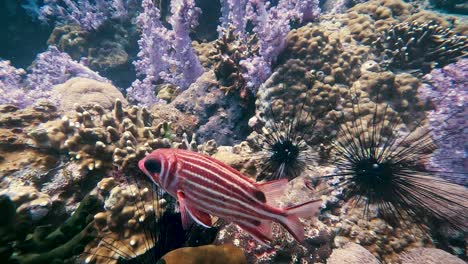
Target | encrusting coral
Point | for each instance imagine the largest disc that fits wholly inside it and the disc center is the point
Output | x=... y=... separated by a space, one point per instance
x=16 y=148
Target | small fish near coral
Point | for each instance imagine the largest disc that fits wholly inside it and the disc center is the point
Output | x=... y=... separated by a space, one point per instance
x=204 y=186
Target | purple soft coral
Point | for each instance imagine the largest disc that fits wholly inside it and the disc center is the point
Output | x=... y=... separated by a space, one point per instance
x=165 y=54
x=88 y=14
x=447 y=92
x=50 y=68
x=272 y=24
x=11 y=85
x=187 y=66
x=54 y=67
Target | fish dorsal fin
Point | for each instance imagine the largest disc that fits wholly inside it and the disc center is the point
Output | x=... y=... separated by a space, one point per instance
x=273 y=189
x=200 y=217
x=184 y=213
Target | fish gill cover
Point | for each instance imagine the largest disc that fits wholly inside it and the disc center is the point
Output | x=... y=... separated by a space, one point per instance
x=359 y=103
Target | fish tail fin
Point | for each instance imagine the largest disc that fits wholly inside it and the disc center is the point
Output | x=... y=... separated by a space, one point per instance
x=291 y=221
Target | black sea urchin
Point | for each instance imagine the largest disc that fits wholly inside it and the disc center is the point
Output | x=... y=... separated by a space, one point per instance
x=286 y=153
x=160 y=229
x=380 y=165
x=420 y=46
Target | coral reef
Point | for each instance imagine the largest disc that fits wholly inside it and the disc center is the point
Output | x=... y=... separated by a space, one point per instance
x=365 y=20
x=276 y=88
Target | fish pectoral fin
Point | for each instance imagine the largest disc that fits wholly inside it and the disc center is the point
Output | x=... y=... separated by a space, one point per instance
x=273 y=189
x=200 y=217
x=184 y=213
x=261 y=231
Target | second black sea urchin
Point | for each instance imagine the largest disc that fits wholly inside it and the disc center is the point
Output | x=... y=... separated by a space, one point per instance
x=378 y=164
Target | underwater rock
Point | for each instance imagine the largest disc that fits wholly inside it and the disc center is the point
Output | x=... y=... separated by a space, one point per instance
x=44 y=246
x=29 y=201
x=105 y=50
x=86 y=92
x=221 y=117
x=180 y=122
x=429 y=256
x=16 y=151
x=70 y=39
x=239 y=157
x=352 y=253
x=223 y=254
x=446 y=94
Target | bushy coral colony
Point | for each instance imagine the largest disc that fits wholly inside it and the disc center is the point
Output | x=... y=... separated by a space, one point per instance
x=352 y=112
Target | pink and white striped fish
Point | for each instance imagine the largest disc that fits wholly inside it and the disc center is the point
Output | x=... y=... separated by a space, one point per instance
x=204 y=186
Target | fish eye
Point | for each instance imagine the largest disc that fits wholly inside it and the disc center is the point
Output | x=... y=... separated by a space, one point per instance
x=153 y=166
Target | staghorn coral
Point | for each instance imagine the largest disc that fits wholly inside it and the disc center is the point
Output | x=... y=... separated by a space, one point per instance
x=420 y=46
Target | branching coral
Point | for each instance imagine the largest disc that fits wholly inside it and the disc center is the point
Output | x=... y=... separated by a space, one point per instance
x=99 y=139
x=420 y=46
